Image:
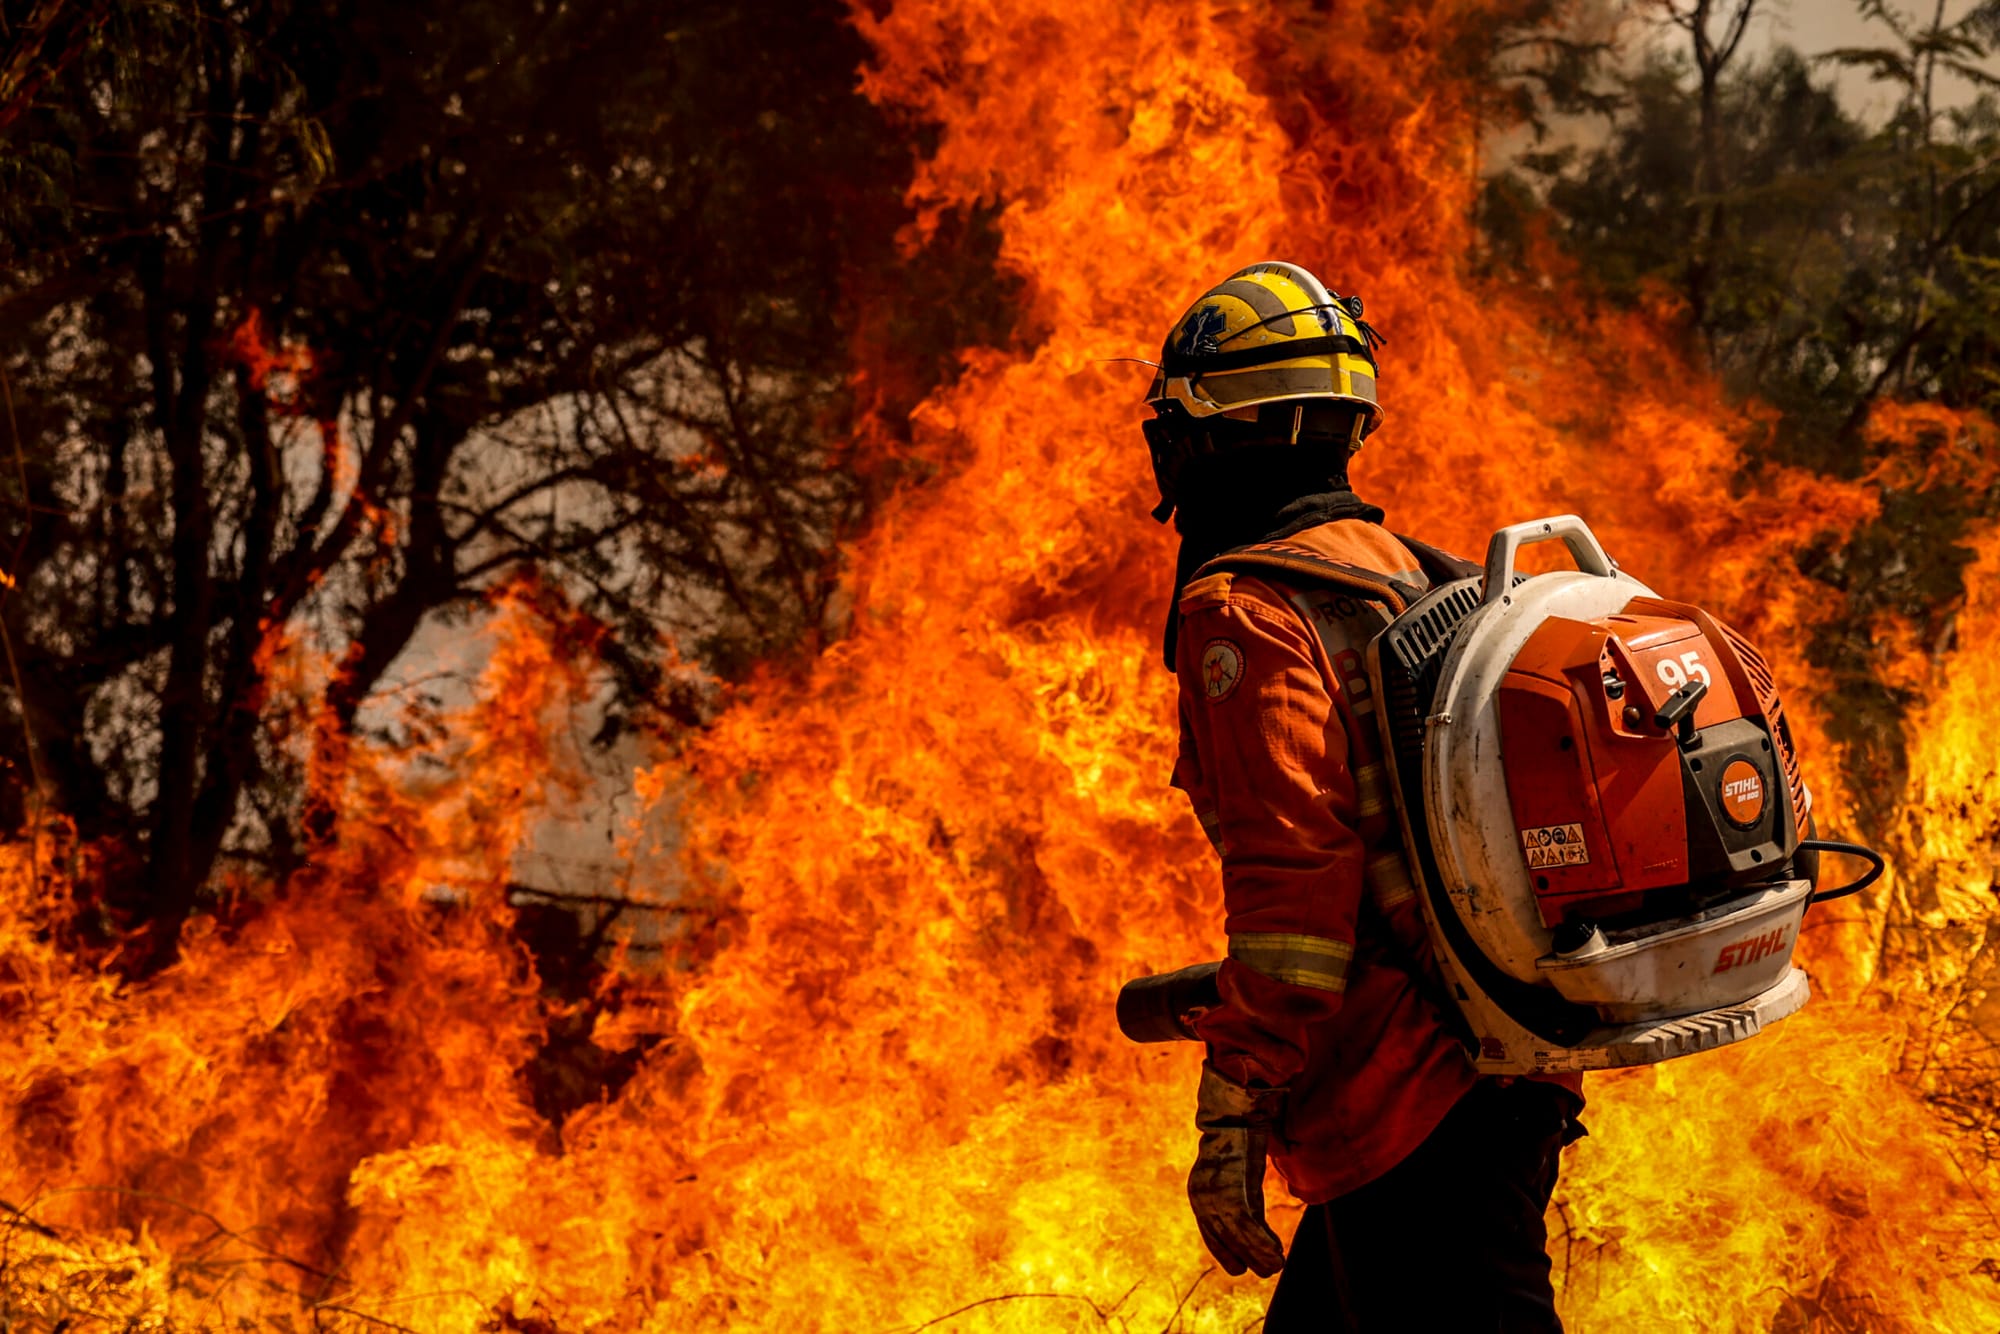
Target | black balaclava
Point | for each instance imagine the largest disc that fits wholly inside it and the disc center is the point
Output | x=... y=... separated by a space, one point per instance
x=1253 y=494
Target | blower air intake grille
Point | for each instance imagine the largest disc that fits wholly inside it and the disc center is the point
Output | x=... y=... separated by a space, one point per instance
x=1419 y=640
x=1413 y=651
x=1753 y=662
x=1773 y=709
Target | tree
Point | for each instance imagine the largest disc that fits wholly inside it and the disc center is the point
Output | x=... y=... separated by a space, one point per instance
x=1713 y=53
x=1821 y=262
x=1823 y=265
x=328 y=314
x=1946 y=190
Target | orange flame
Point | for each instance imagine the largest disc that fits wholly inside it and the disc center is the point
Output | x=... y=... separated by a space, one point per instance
x=891 y=1095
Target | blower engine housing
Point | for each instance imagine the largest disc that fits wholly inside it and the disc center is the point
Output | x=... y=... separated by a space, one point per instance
x=1601 y=801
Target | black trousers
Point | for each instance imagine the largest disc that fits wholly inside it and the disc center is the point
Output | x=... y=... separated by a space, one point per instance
x=1450 y=1239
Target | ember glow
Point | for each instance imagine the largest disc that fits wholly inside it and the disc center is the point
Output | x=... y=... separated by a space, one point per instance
x=891 y=1095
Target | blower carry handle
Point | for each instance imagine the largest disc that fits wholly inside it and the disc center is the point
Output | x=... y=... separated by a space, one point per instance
x=1575 y=534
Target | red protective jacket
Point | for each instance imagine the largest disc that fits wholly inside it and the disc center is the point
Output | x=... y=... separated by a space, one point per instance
x=1284 y=768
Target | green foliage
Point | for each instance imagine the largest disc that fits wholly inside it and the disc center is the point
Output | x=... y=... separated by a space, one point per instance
x=1823 y=266
x=331 y=314
x=1834 y=263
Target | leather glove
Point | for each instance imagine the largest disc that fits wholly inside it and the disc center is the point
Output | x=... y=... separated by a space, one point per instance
x=1226 y=1186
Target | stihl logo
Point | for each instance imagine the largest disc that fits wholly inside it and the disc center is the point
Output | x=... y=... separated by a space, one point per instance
x=1743 y=789
x=1742 y=794
x=1749 y=951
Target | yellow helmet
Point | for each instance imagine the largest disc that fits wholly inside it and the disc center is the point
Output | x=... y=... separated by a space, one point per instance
x=1269 y=355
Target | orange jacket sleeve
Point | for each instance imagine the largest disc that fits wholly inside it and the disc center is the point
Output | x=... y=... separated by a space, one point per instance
x=1264 y=758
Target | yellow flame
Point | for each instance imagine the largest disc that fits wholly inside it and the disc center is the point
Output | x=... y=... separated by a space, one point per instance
x=890 y=1095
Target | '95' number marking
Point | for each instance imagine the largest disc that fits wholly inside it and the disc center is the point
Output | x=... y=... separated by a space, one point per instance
x=1678 y=672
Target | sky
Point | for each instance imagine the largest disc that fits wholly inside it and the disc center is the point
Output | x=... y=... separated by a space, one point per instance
x=1812 y=27
x=1816 y=26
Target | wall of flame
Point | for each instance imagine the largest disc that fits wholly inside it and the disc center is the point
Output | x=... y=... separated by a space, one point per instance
x=892 y=1097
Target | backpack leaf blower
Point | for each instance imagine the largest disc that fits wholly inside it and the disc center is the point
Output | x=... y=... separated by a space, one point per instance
x=1602 y=808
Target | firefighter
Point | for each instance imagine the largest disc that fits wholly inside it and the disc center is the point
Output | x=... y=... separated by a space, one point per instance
x=1333 y=1053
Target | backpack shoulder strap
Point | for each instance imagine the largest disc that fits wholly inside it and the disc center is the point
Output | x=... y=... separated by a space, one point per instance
x=1296 y=564
x=1439 y=565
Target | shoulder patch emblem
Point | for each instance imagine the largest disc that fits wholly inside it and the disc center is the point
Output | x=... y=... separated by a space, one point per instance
x=1221 y=669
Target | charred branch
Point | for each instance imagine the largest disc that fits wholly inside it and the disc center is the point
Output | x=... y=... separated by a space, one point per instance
x=333 y=318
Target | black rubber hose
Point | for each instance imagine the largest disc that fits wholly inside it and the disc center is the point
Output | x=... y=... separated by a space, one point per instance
x=1875 y=867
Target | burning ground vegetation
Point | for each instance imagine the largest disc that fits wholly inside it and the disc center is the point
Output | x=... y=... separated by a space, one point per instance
x=878 y=1085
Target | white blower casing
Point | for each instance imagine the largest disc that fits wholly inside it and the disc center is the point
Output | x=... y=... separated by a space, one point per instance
x=1592 y=959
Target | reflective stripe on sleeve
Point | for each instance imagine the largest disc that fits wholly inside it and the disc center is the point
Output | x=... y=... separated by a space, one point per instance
x=1371 y=790
x=1388 y=880
x=1303 y=961
x=1211 y=824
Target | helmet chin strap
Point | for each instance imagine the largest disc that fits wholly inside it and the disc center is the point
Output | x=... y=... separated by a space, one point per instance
x=1227 y=432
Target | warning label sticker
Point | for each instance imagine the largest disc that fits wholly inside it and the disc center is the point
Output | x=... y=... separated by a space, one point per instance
x=1555 y=845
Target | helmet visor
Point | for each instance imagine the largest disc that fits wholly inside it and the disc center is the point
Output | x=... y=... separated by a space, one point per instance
x=1343 y=377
